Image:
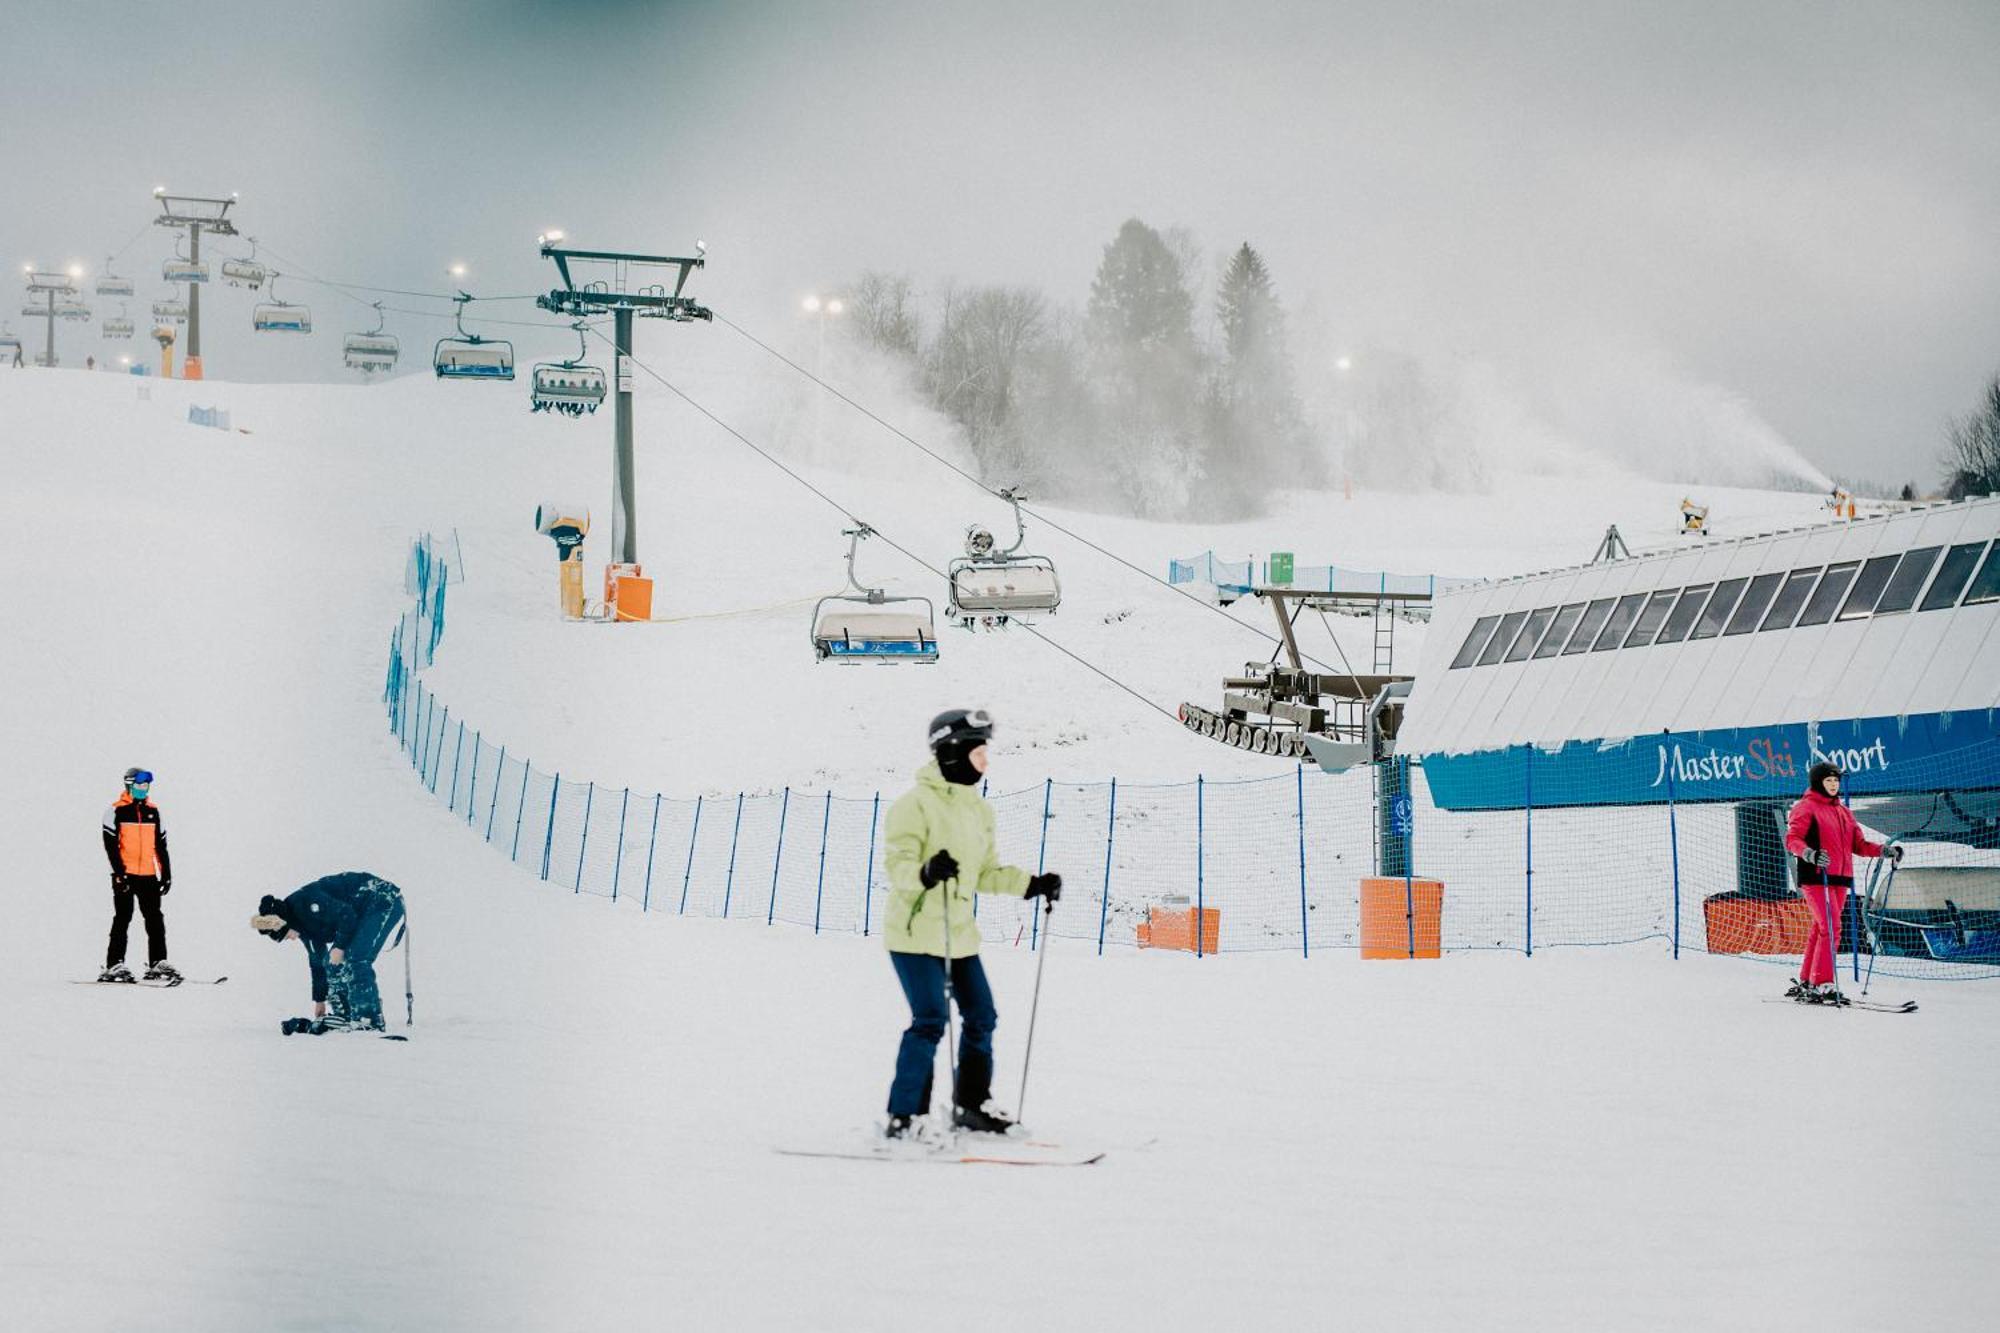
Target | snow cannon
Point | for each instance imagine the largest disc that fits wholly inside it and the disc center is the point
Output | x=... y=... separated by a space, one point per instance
x=566 y=525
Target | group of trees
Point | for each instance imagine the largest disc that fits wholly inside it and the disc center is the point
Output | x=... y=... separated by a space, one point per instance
x=1972 y=456
x=1127 y=403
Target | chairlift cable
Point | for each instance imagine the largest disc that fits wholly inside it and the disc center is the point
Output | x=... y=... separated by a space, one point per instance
x=1039 y=516
x=887 y=540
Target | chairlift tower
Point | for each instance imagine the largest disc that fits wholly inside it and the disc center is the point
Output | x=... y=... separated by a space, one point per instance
x=616 y=294
x=195 y=215
x=51 y=286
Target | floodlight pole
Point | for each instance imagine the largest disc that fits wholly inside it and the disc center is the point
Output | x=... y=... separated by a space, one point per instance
x=611 y=297
x=194 y=214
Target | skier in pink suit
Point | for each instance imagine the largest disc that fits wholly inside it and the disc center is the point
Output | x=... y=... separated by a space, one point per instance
x=1825 y=837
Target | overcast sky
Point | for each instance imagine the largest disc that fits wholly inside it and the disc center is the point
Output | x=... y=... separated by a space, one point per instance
x=1797 y=205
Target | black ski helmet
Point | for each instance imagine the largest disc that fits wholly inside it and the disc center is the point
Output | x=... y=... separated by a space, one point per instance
x=967 y=728
x=1819 y=773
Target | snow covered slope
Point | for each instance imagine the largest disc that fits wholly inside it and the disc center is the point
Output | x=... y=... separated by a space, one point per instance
x=580 y=1134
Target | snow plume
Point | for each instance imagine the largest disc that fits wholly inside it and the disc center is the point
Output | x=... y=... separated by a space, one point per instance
x=1456 y=423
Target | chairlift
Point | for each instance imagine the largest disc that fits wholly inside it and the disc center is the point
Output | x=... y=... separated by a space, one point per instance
x=246 y=272
x=469 y=356
x=110 y=284
x=182 y=270
x=173 y=310
x=10 y=344
x=33 y=310
x=569 y=387
x=118 y=327
x=371 y=351
x=280 y=316
x=73 y=309
x=868 y=625
x=992 y=585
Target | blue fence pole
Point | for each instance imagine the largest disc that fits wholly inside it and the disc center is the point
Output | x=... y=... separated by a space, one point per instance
x=549 y=839
x=687 y=876
x=652 y=841
x=416 y=725
x=1200 y=859
x=1409 y=858
x=1305 y=930
x=493 y=806
x=1528 y=809
x=583 y=843
x=868 y=881
x=618 y=857
x=457 y=756
x=1041 y=864
x=735 y=834
x=778 y=857
x=819 y=892
x=1674 y=840
x=437 y=761
x=520 y=811
x=1104 y=903
x=472 y=794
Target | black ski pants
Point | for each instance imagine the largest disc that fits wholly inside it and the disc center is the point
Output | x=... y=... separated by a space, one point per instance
x=143 y=890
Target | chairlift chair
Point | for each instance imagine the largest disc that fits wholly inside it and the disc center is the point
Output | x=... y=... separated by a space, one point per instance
x=279 y=316
x=10 y=343
x=246 y=272
x=173 y=310
x=371 y=351
x=110 y=284
x=868 y=625
x=73 y=309
x=1000 y=584
x=182 y=270
x=569 y=387
x=118 y=327
x=469 y=356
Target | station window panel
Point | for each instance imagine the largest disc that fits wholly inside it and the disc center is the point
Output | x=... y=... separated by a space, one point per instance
x=1531 y=634
x=1868 y=586
x=1622 y=616
x=1685 y=610
x=1588 y=624
x=1651 y=618
x=1755 y=599
x=1559 y=628
x=1716 y=614
x=1791 y=598
x=1908 y=580
x=1986 y=583
x=1951 y=576
x=1503 y=638
x=1468 y=652
x=1826 y=597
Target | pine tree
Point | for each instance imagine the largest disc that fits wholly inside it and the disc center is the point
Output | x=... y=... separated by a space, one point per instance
x=1145 y=374
x=1258 y=423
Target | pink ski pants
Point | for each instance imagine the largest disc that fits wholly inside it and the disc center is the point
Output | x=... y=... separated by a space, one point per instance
x=1826 y=902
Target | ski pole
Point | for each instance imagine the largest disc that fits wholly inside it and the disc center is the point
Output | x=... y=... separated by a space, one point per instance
x=1880 y=906
x=409 y=994
x=1034 y=1007
x=950 y=1027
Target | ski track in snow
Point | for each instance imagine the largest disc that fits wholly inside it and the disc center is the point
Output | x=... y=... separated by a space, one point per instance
x=580 y=1134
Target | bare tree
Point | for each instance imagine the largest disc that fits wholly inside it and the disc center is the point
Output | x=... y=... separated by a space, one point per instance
x=1972 y=456
x=884 y=311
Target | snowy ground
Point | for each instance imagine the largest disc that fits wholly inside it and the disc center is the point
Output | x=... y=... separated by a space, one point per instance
x=581 y=1133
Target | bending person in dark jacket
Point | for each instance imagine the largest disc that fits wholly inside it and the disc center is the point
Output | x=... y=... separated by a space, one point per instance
x=344 y=921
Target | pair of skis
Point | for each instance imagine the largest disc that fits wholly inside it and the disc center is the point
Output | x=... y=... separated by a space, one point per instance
x=1865 y=1006
x=962 y=1149
x=156 y=983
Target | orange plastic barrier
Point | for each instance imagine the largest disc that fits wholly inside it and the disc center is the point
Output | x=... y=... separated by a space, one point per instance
x=1173 y=928
x=1756 y=925
x=627 y=592
x=1386 y=907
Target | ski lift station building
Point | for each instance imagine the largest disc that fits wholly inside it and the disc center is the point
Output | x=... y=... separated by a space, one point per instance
x=1723 y=672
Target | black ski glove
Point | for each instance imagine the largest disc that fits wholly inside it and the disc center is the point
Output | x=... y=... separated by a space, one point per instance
x=1045 y=886
x=1894 y=851
x=1821 y=859
x=118 y=883
x=166 y=887
x=938 y=869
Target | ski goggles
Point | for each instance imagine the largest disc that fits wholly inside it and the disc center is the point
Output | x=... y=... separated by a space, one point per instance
x=139 y=777
x=974 y=722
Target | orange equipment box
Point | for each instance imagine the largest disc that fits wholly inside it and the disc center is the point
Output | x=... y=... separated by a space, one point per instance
x=1737 y=924
x=1386 y=909
x=1173 y=928
x=627 y=592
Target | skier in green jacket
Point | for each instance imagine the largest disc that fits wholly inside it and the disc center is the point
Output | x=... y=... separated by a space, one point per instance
x=940 y=852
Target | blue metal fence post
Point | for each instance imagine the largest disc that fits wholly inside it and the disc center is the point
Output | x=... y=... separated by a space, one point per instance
x=416 y=725
x=819 y=891
x=583 y=843
x=687 y=876
x=457 y=755
x=1305 y=930
x=549 y=839
x=1528 y=809
x=729 y=880
x=1409 y=857
x=437 y=760
x=618 y=857
x=1104 y=903
x=1674 y=840
x=778 y=857
x=520 y=811
x=1041 y=864
x=493 y=807
x=472 y=795
x=1200 y=856
x=652 y=841
x=868 y=881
